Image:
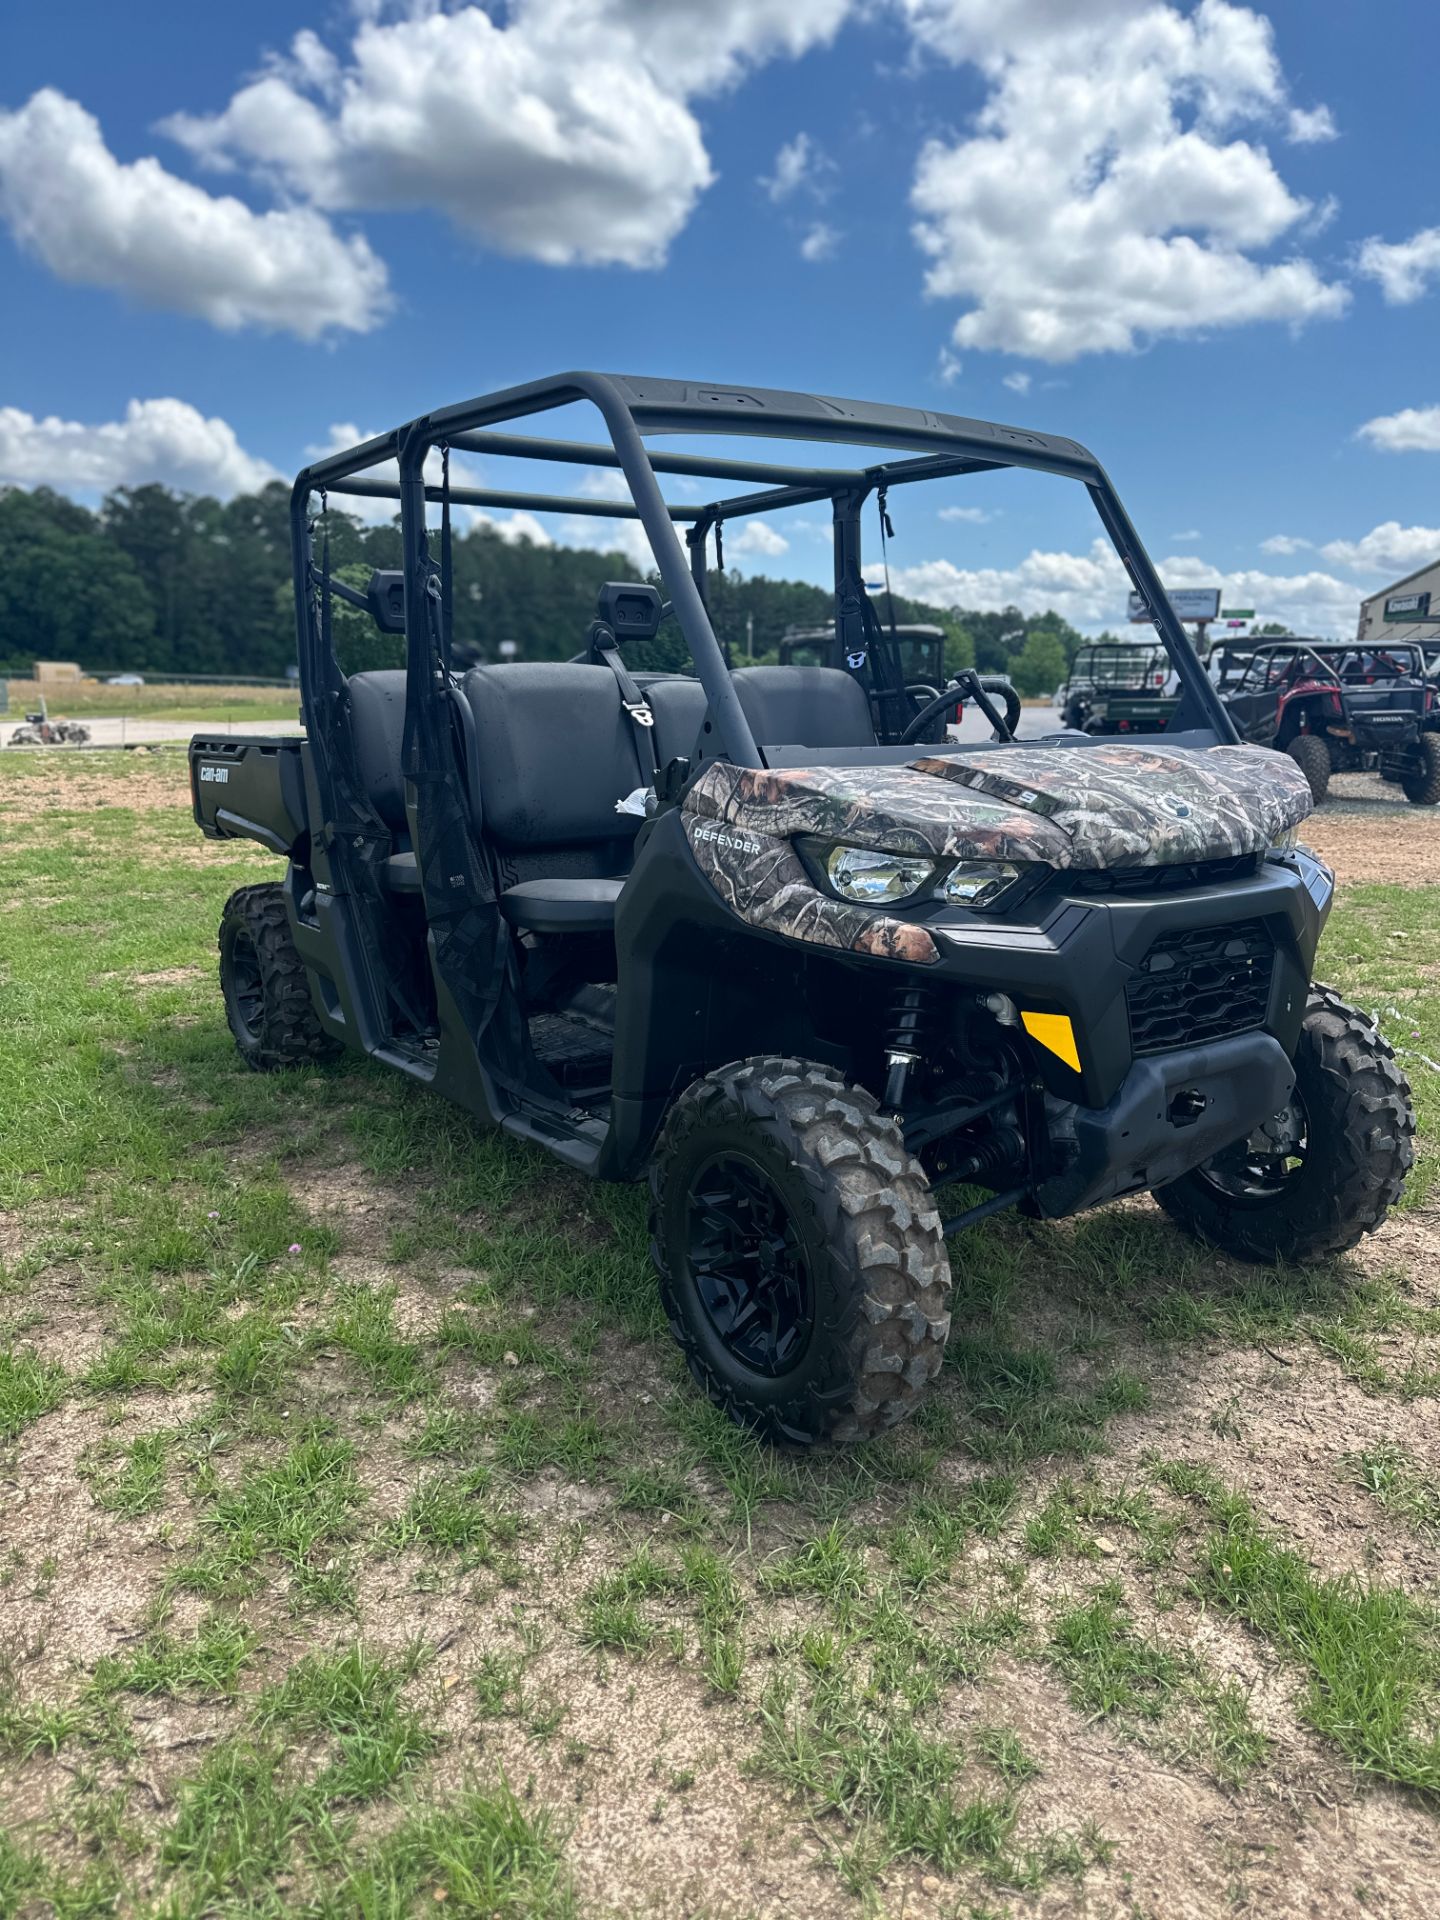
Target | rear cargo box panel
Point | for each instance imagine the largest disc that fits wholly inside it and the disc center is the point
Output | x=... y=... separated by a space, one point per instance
x=249 y=789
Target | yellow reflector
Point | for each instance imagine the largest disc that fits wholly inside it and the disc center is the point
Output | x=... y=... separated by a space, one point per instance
x=1053 y=1030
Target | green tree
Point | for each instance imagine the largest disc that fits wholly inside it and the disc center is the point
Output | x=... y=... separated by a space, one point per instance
x=65 y=593
x=1041 y=664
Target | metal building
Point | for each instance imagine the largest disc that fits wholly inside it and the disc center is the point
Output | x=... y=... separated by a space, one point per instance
x=1407 y=610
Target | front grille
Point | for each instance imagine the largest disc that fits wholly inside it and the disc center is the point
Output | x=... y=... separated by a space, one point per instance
x=1199 y=985
x=1167 y=879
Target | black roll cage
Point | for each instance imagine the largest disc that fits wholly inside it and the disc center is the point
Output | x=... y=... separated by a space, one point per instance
x=1316 y=650
x=939 y=445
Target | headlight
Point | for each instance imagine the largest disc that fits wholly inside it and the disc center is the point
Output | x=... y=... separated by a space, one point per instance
x=877 y=879
x=1286 y=842
x=979 y=883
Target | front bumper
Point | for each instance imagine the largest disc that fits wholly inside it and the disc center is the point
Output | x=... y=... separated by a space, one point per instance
x=1068 y=954
x=1168 y=1114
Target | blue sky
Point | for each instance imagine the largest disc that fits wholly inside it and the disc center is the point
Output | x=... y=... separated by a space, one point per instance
x=1204 y=240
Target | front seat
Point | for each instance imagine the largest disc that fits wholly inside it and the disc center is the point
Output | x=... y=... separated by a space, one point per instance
x=804 y=707
x=555 y=752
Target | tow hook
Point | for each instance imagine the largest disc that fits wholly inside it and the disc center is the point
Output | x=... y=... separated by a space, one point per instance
x=1186 y=1107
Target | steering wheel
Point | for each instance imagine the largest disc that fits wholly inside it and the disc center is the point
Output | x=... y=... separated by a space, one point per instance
x=968 y=685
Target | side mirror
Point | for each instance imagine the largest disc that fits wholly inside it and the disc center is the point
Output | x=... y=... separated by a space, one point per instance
x=385 y=598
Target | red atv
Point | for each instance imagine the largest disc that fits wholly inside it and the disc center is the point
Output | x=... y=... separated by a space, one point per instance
x=1339 y=708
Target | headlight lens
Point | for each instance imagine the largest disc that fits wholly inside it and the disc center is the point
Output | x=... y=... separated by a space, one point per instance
x=875 y=878
x=979 y=883
x=858 y=873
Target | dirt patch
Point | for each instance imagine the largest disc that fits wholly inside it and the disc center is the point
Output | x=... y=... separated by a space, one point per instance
x=1383 y=841
x=12 y=1235
x=38 y=788
x=365 y=1211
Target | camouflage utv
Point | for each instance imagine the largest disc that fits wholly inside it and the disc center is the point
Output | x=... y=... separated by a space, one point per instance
x=836 y=999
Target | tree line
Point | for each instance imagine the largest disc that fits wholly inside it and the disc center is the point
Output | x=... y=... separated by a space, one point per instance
x=161 y=582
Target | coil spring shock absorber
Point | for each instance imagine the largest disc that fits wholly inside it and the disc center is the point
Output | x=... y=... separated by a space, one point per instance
x=911 y=1014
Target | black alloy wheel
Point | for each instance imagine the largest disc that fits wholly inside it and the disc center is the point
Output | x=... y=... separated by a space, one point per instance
x=748 y=1264
x=1253 y=1172
x=247 y=992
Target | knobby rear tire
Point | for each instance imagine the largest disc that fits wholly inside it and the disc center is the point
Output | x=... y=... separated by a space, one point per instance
x=283 y=1030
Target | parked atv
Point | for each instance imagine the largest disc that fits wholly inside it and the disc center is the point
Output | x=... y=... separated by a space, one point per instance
x=836 y=1000
x=1339 y=708
x=39 y=730
x=1117 y=687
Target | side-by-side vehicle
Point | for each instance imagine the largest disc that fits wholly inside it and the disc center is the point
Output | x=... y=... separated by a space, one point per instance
x=713 y=933
x=1339 y=708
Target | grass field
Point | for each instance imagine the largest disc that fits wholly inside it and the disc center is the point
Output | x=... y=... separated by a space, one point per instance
x=365 y=1551
x=92 y=701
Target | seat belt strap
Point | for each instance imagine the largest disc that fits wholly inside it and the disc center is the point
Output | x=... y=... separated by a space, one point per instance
x=631 y=698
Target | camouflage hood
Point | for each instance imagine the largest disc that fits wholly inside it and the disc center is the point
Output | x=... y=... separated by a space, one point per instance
x=1100 y=806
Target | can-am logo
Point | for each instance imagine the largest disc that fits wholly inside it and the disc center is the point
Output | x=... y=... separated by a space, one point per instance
x=724 y=837
x=220 y=775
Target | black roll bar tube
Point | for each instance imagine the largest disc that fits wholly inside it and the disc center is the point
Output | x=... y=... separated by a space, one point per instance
x=726 y=713
x=499 y=497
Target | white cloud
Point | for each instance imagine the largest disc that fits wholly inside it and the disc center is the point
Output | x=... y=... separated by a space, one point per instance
x=158 y=440
x=164 y=242
x=704 y=45
x=1404 y=268
x=1017 y=382
x=1309 y=126
x=759 y=537
x=988 y=31
x=819 y=243
x=515 y=529
x=1388 y=548
x=974 y=516
x=1100 y=203
x=603 y=483
x=800 y=163
x=626 y=537
x=951 y=367
x=1089 y=589
x=1285 y=543
x=1313 y=603
x=1412 y=430
x=562 y=134
x=1190 y=533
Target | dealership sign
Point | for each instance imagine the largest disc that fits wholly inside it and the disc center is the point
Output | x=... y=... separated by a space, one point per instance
x=1190 y=603
x=1408 y=606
